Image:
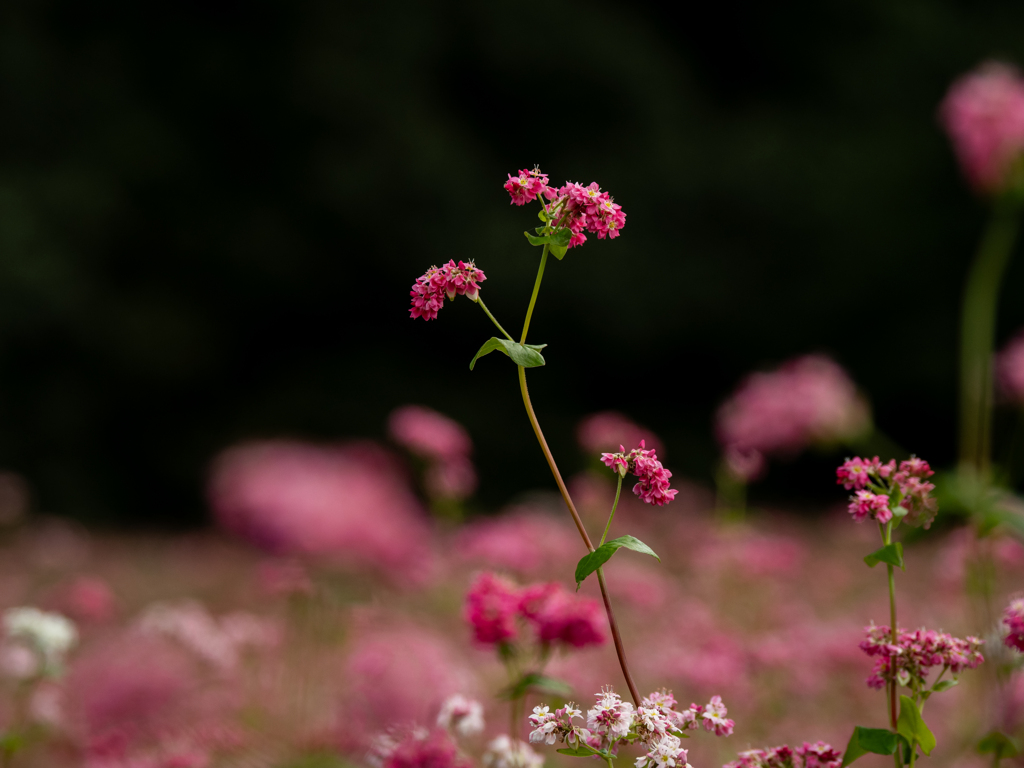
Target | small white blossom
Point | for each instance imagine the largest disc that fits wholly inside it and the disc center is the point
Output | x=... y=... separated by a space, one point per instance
x=50 y=635
x=463 y=716
x=503 y=752
x=666 y=752
x=612 y=716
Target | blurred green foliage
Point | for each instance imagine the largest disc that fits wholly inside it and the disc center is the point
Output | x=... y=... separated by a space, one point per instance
x=210 y=214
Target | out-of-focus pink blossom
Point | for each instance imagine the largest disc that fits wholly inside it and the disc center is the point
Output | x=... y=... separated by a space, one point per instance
x=1013 y=619
x=490 y=609
x=607 y=430
x=461 y=715
x=525 y=187
x=654 y=478
x=805 y=401
x=983 y=113
x=520 y=540
x=88 y=599
x=451 y=280
x=747 y=464
x=865 y=504
x=425 y=749
x=562 y=617
x=399 y=674
x=347 y=501
x=914 y=654
x=453 y=478
x=1010 y=370
x=818 y=755
x=428 y=434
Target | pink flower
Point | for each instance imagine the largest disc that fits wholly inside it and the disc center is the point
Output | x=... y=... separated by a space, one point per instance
x=584 y=209
x=434 y=749
x=819 y=755
x=747 y=464
x=654 y=478
x=1010 y=370
x=714 y=717
x=865 y=504
x=915 y=653
x=857 y=472
x=88 y=599
x=562 y=617
x=428 y=434
x=490 y=609
x=525 y=187
x=349 y=502
x=549 y=727
x=610 y=718
x=983 y=113
x=805 y=401
x=1013 y=618
x=451 y=280
x=523 y=541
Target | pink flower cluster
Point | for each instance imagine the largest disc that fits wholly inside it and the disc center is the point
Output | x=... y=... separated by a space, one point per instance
x=573 y=206
x=495 y=605
x=449 y=280
x=654 y=478
x=819 y=755
x=443 y=443
x=418 y=748
x=525 y=187
x=657 y=715
x=603 y=431
x=915 y=653
x=1010 y=370
x=983 y=113
x=805 y=401
x=1013 y=618
x=908 y=484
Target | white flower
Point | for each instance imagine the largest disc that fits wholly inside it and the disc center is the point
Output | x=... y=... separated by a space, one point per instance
x=462 y=715
x=611 y=717
x=503 y=752
x=665 y=753
x=50 y=635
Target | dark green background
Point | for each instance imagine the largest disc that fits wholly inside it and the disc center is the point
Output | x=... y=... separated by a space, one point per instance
x=211 y=213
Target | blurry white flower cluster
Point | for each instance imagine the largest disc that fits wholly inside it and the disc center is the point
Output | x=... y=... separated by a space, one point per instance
x=37 y=642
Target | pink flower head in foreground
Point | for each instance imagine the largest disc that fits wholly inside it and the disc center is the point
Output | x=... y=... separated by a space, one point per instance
x=915 y=653
x=603 y=431
x=491 y=606
x=1010 y=370
x=908 y=483
x=1013 y=618
x=449 y=280
x=819 y=755
x=983 y=113
x=423 y=749
x=805 y=401
x=654 y=478
x=525 y=187
x=584 y=209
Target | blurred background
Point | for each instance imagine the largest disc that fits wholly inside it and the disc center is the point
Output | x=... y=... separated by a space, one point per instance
x=211 y=214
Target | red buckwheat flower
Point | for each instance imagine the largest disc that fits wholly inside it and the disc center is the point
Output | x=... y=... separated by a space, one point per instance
x=449 y=280
x=525 y=187
x=654 y=478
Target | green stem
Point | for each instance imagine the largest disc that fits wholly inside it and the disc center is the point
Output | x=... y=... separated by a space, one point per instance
x=618 y=490
x=488 y=313
x=536 y=290
x=893 y=634
x=977 y=334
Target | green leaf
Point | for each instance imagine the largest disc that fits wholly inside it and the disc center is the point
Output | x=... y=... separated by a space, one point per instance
x=534 y=681
x=542 y=216
x=912 y=726
x=558 y=239
x=878 y=741
x=943 y=685
x=578 y=752
x=561 y=237
x=890 y=553
x=999 y=744
x=558 y=251
x=525 y=355
x=538 y=239
x=591 y=562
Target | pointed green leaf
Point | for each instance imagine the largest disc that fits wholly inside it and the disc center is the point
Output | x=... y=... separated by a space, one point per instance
x=558 y=251
x=524 y=355
x=562 y=237
x=943 y=685
x=878 y=741
x=542 y=216
x=912 y=726
x=534 y=681
x=489 y=346
x=591 y=562
x=999 y=744
x=890 y=553
x=538 y=239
